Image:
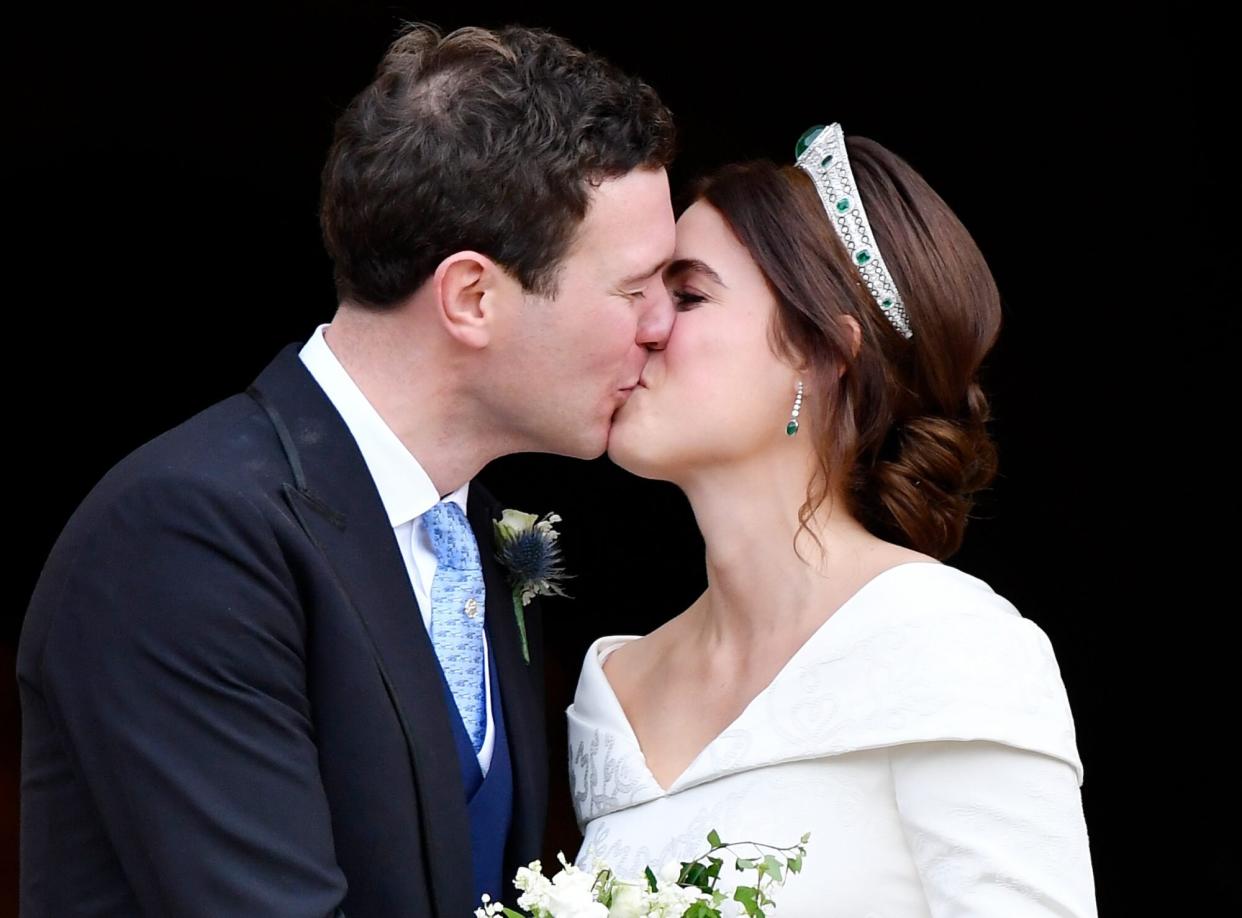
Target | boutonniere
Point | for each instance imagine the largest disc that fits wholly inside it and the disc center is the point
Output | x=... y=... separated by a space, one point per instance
x=526 y=546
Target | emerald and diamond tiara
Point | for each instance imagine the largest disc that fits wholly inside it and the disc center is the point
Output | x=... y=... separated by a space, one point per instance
x=820 y=153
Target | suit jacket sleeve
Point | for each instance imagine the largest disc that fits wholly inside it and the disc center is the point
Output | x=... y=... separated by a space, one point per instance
x=174 y=666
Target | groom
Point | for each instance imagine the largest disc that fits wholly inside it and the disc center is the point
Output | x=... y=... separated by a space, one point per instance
x=272 y=667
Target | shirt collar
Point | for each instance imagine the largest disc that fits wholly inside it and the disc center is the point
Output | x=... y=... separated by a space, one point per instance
x=404 y=487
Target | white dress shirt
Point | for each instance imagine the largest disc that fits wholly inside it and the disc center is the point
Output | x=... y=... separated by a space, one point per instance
x=404 y=488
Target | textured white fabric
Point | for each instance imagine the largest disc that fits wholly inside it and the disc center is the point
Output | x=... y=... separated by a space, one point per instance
x=922 y=735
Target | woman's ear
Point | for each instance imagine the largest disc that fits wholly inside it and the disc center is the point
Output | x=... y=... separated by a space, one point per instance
x=855 y=332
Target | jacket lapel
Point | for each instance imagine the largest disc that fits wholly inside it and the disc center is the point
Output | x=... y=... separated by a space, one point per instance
x=335 y=499
x=521 y=685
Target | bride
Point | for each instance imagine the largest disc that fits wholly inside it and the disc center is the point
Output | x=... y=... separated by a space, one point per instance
x=818 y=404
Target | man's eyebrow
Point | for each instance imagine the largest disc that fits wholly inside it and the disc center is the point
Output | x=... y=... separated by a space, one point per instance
x=635 y=278
x=685 y=265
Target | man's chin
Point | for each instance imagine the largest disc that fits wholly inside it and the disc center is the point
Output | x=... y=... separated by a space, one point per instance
x=590 y=444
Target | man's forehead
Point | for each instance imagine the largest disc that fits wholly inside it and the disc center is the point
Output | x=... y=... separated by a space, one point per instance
x=629 y=229
x=631 y=201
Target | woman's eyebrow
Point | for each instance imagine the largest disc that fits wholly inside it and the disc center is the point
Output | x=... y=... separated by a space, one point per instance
x=685 y=265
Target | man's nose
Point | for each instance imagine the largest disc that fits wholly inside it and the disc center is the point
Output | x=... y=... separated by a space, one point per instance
x=656 y=323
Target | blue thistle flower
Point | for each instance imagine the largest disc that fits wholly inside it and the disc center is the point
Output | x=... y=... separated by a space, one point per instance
x=533 y=559
x=526 y=545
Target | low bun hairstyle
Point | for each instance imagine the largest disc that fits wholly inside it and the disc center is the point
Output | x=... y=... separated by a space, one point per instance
x=901 y=425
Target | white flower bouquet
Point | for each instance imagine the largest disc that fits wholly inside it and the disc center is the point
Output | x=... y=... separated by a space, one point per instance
x=689 y=889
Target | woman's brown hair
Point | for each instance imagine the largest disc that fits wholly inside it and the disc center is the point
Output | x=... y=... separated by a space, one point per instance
x=900 y=426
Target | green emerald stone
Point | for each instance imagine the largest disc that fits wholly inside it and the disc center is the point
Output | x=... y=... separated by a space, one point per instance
x=887 y=304
x=826 y=160
x=843 y=205
x=807 y=138
x=792 y=427
x=863 y=257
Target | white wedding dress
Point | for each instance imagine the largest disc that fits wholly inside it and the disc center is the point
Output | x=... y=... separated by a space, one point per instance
x=922 y=736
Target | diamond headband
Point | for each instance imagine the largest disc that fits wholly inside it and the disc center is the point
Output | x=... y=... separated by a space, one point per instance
x=821 y=154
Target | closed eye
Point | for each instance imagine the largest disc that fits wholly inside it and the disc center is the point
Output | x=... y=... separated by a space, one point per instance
x=683 y=299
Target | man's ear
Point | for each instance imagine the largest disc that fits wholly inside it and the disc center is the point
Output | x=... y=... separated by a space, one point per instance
x=467 y=287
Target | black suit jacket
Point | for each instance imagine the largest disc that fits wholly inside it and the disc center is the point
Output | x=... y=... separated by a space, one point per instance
x=230 y=705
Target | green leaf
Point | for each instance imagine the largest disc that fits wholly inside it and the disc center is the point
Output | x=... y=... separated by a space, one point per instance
x=714 y=870
x=651 y=880
x=747 y=863
x=510 y=913
x=794 y=865
x=747 y=896
x=806 y=838
x=772 y=866
x=713 y=839
x=701 y=910
x=694 y=874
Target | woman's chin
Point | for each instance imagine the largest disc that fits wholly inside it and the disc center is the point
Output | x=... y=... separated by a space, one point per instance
x=633 y=447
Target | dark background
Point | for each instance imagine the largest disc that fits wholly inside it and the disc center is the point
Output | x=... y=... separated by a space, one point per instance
x=162 y=194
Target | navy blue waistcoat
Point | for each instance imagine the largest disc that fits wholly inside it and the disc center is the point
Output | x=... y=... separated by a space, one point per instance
x=490 y=799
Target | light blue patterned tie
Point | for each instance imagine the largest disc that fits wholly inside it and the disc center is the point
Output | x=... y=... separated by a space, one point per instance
x=457 y=603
